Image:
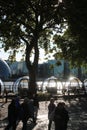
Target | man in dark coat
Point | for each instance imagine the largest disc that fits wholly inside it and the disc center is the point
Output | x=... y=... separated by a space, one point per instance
x=25 y=113
x=61 y=117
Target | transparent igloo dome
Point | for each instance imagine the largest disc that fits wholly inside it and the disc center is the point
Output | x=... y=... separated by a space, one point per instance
x=1 y=86
x=5 y=71
x=21 y=83
x=52 y=85
x=85 y=85
x=73 y=85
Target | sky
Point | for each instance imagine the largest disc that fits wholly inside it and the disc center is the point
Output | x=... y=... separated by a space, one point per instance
x=5 y=55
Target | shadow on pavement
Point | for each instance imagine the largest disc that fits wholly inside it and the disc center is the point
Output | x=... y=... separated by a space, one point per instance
x=3 y=123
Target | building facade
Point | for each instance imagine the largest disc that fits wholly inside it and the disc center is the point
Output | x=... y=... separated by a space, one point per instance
x=48 y=69
x=44 y=69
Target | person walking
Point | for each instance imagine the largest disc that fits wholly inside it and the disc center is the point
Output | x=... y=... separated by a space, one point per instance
x=51 y=109
x=12 y=116
x=25 y=113
x=61 y=117
x=18 y=107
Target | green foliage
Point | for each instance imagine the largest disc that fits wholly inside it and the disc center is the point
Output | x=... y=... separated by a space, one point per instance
x=76 y=16
x=70 y=47
x=21 y=21
x=72 y=43
x=58 y=63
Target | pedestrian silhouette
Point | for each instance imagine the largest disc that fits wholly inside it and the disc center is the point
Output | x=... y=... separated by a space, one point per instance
x=61 y=117
x=12 y=116
x=51 y=108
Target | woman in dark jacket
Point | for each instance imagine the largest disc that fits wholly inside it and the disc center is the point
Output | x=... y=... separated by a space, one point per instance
x=12 y=115
x=61 y=117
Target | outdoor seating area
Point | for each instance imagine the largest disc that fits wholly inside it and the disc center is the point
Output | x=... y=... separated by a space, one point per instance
x=72 y=85
x=52 y=85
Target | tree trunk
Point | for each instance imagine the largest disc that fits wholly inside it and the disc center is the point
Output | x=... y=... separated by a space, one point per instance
x=32 y=66
x=32 y=81
x=79 y=73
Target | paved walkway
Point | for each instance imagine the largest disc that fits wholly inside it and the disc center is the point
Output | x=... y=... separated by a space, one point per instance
x=77 y=108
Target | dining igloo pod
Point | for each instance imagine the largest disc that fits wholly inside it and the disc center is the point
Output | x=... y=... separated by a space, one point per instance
x=2 y=86
x=73 y=86
x=85 y=85
x=20 y=86
x=52 y=85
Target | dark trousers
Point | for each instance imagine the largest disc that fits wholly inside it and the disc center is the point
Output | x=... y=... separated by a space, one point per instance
x=11 y=125
x=59 y=126
x=49 y=125
x=24 y=123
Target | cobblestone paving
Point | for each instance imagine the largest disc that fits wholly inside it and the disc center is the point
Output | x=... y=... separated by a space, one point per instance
x=77 y=108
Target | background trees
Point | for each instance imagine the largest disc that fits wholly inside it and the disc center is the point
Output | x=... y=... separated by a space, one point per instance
x=73 y=42
x=75 y=12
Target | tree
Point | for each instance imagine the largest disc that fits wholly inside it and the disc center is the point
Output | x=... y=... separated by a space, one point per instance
x=68 y=46
x=72 y=43
x=75 y=12
x=29 y=23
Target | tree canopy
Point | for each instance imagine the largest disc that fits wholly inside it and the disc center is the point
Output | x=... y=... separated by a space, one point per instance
x=30 y=23
x=22 y=20
x=76 y=16
x=73 y=42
